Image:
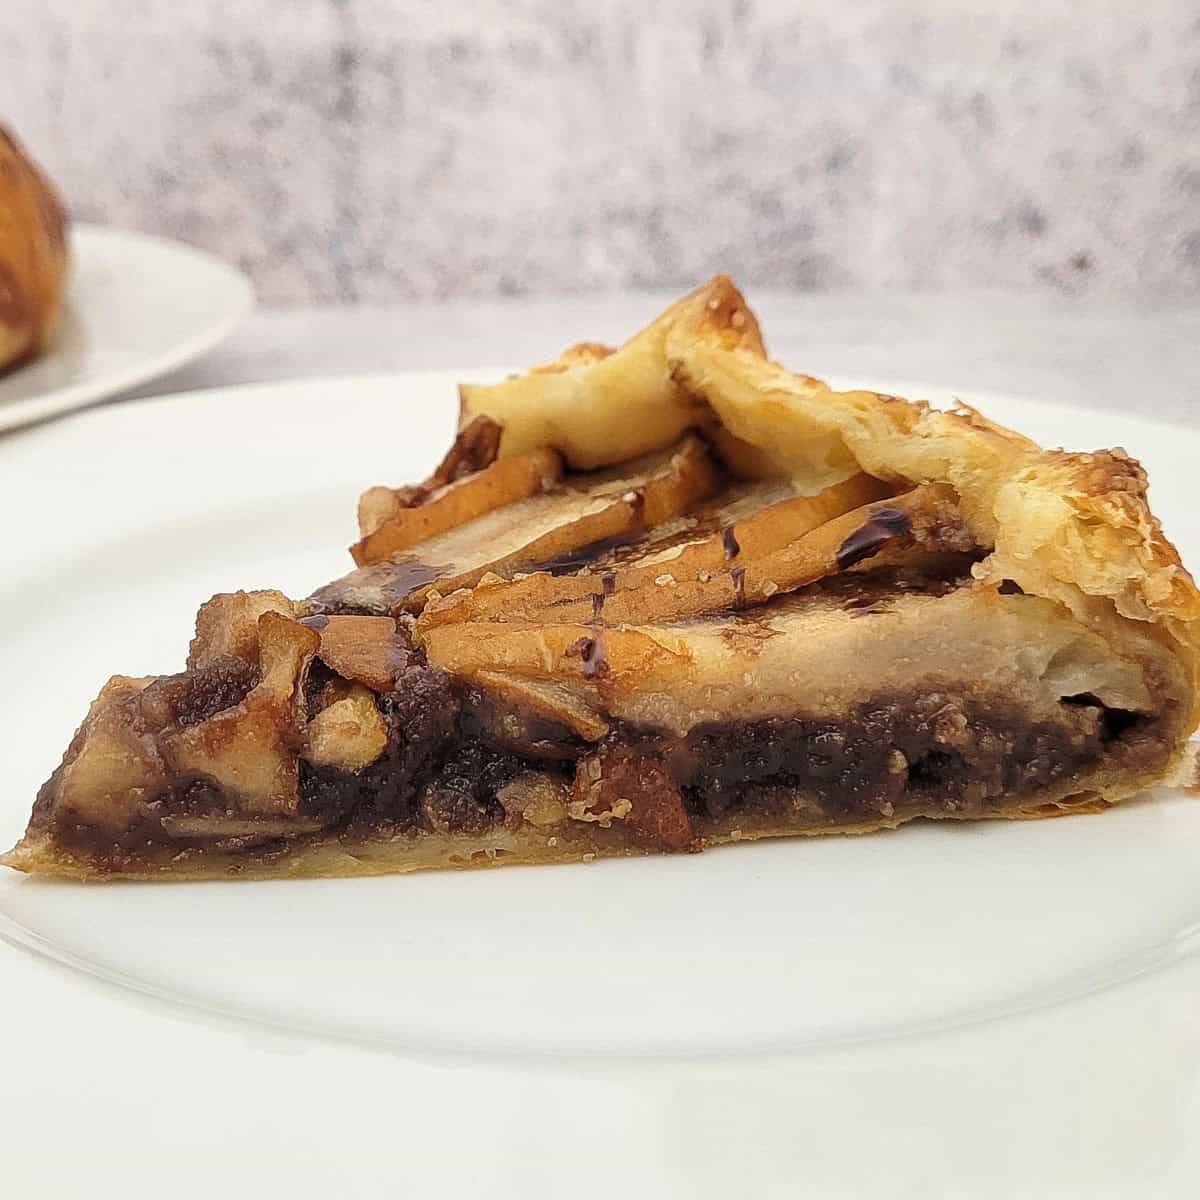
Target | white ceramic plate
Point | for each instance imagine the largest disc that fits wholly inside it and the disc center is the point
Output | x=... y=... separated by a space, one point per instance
x=136 y=308
x=750 y=1018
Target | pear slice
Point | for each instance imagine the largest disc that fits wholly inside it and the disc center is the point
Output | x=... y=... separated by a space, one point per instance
x=501 y=485
x=818 y=650
x=586 y=511
x=591 y=647
x=474 y=449
x=747 y=525
x=923 y=518
x=113 y=764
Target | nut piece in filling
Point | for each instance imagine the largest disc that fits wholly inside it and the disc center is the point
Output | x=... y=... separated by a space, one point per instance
x=655 y=599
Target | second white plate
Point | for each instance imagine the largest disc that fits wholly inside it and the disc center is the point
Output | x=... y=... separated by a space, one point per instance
x=136 y=308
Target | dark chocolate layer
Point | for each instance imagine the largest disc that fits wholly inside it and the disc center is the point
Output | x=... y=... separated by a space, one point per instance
x=958 y=753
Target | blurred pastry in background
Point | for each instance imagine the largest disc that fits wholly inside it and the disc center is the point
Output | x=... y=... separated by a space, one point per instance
x=33 y=255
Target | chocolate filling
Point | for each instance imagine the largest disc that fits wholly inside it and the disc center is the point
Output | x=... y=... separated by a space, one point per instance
x=421 y=717
x=942 y=750
x=451 y=749
x=956 y=753
x=198 y=695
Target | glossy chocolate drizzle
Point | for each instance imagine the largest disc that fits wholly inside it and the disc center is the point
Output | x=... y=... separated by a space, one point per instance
x=881 y=527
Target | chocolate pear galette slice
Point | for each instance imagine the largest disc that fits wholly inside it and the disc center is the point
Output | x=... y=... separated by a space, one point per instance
x=659 y=598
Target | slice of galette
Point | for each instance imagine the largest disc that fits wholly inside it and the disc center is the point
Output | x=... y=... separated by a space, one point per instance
x=660 y=598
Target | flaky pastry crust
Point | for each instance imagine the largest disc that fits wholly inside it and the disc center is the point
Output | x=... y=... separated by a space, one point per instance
x=1072 y=527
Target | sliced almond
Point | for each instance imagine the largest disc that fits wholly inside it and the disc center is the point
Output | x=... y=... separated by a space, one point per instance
x=222 y=825
x=501 y=485
x=585 y=512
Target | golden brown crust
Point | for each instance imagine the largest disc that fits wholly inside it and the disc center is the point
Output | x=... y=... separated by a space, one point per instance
x=33 y=255
x=320 y=856
x=1060 y=522
x=610 y=393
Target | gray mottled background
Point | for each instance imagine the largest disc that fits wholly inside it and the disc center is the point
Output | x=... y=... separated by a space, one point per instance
x=375 y=150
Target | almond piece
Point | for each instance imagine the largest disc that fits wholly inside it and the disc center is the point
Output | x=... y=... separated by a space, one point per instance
x=349 y=734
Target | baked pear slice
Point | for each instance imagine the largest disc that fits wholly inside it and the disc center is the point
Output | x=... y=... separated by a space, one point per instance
x=762 y=541
x=583 y=509
x=449 y=507
x=474 y=449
